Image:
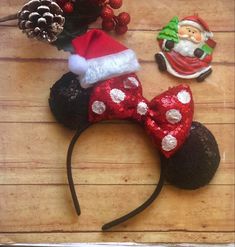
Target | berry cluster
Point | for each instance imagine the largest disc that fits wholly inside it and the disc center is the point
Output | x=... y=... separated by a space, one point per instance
x=110 y=21
x=66 y=5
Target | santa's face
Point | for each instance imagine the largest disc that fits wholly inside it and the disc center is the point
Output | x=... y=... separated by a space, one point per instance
x=190 y=38
x=190 y=33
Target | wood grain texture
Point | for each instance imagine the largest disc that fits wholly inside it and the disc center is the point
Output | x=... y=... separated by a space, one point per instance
x=207 y=209
x=117 y=175
x=33 y=88
x=33 y=142
x=105 y=173
x=141 y=237
x=133 y=39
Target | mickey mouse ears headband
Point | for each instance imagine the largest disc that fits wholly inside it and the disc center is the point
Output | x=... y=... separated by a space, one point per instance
x=189 y=152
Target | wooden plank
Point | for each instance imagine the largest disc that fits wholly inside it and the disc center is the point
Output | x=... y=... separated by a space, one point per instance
x=152 y=15
x=206 y=209
x=140 y=237
x=142 y=42
x=113 y=244
x=24 y=47
x=29 y=82
x=214 y=113
x=153 y=79
x=145 y=17
x=18 y=111
x=96 y=173
x=48 y=143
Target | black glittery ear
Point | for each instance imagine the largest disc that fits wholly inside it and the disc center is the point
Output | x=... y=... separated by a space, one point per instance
x=69 y=101
x=195 y=164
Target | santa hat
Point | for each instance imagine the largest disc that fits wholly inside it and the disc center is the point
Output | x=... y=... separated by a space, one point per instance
x=99 y=57
x=198 y=23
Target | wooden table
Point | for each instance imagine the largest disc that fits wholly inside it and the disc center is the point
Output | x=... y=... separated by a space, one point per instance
x=115 y=165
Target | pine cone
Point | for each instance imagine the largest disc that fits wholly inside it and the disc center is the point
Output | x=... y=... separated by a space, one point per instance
x=41 y=19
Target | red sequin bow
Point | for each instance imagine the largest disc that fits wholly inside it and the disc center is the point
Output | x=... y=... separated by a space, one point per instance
x=167 y=117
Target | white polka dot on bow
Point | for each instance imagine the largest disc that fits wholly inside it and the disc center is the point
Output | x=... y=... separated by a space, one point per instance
x=173 y=116
x=184 y=97
x=169 y=143
x=98 y=107
x=142 y=108
x=117 y=95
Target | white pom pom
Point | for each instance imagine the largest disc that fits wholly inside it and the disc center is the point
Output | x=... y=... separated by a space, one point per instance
x=77 y=64
x=209 y=35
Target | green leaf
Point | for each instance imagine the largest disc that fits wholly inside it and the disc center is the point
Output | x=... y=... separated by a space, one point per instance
x=63 y=41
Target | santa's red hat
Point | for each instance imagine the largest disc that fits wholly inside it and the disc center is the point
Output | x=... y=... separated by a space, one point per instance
x=99 y=57
x=198 y=23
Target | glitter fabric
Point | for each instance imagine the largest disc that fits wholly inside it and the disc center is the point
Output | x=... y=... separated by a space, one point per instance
x=167 y=118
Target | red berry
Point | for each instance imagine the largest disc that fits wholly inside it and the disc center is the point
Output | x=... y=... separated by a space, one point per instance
x=68 y=8
x=108 y=25
x=115 y=4
x=107 y=13
x=121 y=29
x=124 y=19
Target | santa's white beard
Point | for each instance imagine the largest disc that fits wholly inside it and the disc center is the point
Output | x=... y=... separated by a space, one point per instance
x=186 y=47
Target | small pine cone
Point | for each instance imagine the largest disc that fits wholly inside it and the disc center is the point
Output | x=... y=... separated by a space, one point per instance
x=41 y=19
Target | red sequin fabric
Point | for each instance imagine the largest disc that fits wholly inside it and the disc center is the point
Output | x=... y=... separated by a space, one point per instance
x=167 y=118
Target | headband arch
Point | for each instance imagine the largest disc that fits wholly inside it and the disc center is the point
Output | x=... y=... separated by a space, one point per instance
x=121 y=219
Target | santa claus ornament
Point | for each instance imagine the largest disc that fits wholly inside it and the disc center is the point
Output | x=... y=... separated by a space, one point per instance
x=103 y=86
x=187 y=47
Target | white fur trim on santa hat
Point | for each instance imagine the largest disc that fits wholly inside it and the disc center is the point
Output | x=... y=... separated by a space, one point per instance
x=196 y=25
x=191 y=23
x=77 y=64
x=109 y=66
